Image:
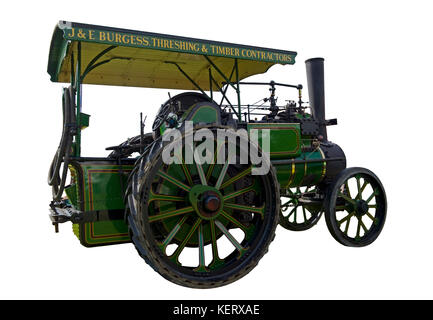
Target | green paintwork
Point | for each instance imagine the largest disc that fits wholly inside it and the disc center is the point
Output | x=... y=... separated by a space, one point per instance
x=286 y=142
x=174 y=214
x=72 y=194
x=58 y=51
x=202 y=114
x=84 y=120
x=105 y=232
x=301 y=174
x=96 y=186
x=285 y=138
x=175 y=179
x=102 y=186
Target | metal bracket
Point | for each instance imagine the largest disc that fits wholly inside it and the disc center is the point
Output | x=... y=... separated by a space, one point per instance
x=62 y=212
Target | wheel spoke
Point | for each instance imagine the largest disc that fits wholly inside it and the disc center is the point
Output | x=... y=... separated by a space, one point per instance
x=350 y=215
x=229 y=236
x=216 y=261
x=173 y=233
x=210 y=170
x=260 y=210
x=174 y=181
x=348 y=199
x=358 y=184
x=222 y=175
x=375 y=193
x=236 y=177
x=372 y=218
x=170 y=214
x=201 y=174
x=286 y=205
x=184 y=167
x=340 y=208
x=362 y=225
x=358 y=231
x=215 y=158
x=304 y=213
x=201 y=257
x=346 y=229
x=179 y=249
x=346 y=188
x=373 y=206
x=359 y=196
x=239 y=192
x=233 y=220
x=164 y=197
x=291 y=212
x=187 y=173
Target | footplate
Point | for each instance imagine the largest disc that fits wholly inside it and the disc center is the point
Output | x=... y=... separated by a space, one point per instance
x=63 y=212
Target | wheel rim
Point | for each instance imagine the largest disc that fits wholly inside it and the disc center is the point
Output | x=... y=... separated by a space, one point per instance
x=360 y=208
x=207 y=219
x=296 y=214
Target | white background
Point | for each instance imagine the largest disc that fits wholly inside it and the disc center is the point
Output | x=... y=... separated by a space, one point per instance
x=378 y=73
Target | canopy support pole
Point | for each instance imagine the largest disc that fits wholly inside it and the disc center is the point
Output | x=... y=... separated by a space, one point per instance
x=77 y=79
x=72 y=69
x=210 y=83
x=238 y=91
x=228 y=81
x=188 y=77
x=219 y=71
x=226 y=87
x=224 y=96
x=78 y=103
x=99 y=55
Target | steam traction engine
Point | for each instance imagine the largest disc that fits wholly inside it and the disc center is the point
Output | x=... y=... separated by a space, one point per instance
x=201 y=224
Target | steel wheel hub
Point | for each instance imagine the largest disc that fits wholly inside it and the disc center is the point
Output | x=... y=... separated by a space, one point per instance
x=361 y=207
x=207 y=201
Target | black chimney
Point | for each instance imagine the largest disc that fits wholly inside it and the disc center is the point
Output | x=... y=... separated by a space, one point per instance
x=316 y=92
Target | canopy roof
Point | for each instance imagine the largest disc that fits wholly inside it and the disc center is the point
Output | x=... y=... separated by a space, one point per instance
x=143 y=59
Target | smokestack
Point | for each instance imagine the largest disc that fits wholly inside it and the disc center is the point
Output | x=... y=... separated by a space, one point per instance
x=316 y=92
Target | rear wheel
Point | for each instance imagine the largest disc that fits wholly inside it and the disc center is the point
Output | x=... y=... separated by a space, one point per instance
x=202 y=225
x=355 y=207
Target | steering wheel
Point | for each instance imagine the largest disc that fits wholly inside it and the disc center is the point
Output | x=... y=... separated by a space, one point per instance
x=161 y=116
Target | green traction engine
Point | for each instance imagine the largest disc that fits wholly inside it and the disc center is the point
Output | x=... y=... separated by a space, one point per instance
x=205 y=218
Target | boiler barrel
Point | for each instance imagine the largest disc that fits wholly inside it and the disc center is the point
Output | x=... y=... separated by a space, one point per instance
x=308 y=169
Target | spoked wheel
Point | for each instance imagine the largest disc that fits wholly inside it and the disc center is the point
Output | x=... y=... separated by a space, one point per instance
x=355 y=208
x=161 y=116
x=202 y=225
x=299 y=210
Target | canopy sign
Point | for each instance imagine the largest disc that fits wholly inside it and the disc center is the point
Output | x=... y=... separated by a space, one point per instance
x=120 y=57
x=178 y=44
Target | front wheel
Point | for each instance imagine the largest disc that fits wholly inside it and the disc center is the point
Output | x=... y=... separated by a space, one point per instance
x=355 y=207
